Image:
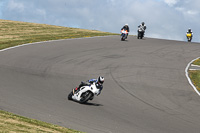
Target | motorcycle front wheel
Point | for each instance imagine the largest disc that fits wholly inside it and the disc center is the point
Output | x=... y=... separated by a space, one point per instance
x=140 y=36
x=70 y=96
x=86 y=96
x=189 y=39
x=122 y=38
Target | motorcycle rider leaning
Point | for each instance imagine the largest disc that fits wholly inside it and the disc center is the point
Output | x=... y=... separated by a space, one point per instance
x=99 y=84
x=125 y=27
x=143 y=26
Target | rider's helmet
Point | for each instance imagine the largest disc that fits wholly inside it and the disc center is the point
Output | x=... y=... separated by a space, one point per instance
x=126 y=25
x=189 y=30
x=100 y=80
x=142 y=23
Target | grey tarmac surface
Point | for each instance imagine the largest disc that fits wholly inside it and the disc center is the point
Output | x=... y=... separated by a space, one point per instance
x=145 y=89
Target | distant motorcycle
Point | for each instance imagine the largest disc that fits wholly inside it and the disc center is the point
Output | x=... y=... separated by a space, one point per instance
x=140 y=32
x=189 y=37
x=85 y=93
x=124 y=35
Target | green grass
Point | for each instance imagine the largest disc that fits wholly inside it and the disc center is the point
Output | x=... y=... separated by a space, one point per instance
x=14 y=123
x=197 y=62
x=13 y=33
x=16 y=33
x=195 y=77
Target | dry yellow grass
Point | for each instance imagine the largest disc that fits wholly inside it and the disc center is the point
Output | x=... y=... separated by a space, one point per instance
x=17 y=124
x=15 y=33
x=197 y=62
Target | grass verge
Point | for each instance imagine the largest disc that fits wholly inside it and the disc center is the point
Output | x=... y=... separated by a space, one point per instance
x=195 y=75
x=195 y=78
x=14 y=123
x=197 y=62
x=15 y=33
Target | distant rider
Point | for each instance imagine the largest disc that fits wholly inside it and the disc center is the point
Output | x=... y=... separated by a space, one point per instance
x=98 y=82
x=125 y=27
x=189 y=32
x=143 y=26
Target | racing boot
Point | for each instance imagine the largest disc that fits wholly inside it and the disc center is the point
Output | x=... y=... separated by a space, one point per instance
x=75 y=90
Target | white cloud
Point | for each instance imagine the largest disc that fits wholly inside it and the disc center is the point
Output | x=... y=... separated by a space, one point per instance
x=181 y=9
x=171 y=2
x=12 y=6
x=192 y=12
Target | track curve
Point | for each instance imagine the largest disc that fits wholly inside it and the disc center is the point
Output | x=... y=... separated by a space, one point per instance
x=145 y=87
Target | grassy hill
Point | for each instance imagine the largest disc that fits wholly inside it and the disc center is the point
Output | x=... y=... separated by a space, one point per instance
x=16 y=124
x=15 y=33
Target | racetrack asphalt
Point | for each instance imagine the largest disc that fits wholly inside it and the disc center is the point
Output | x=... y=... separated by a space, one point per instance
x=145 y=89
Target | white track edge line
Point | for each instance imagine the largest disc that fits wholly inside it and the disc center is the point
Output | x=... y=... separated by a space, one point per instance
x=195 y=65
x=21 y=45
x=189 y=80
x=193 y=69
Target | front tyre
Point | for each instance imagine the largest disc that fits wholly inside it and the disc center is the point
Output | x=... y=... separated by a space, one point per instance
x=70 y=96
x=122 y=38
x=86 y=96
x=139 y=35
x=189 y=39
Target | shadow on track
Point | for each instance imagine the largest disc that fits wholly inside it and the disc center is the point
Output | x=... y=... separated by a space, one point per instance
x=87 y=103
x=92 y=104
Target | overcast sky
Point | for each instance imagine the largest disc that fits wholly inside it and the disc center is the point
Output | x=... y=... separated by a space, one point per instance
x=167 y=19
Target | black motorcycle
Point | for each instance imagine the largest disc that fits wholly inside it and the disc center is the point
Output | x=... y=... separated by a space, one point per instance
x=140 y=33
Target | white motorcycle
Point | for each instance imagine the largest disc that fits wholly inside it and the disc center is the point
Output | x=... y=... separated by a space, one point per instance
x=85 y=93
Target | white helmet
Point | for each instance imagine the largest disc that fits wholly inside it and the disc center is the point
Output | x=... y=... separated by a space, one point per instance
x=126 y=24
x=100 y=79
